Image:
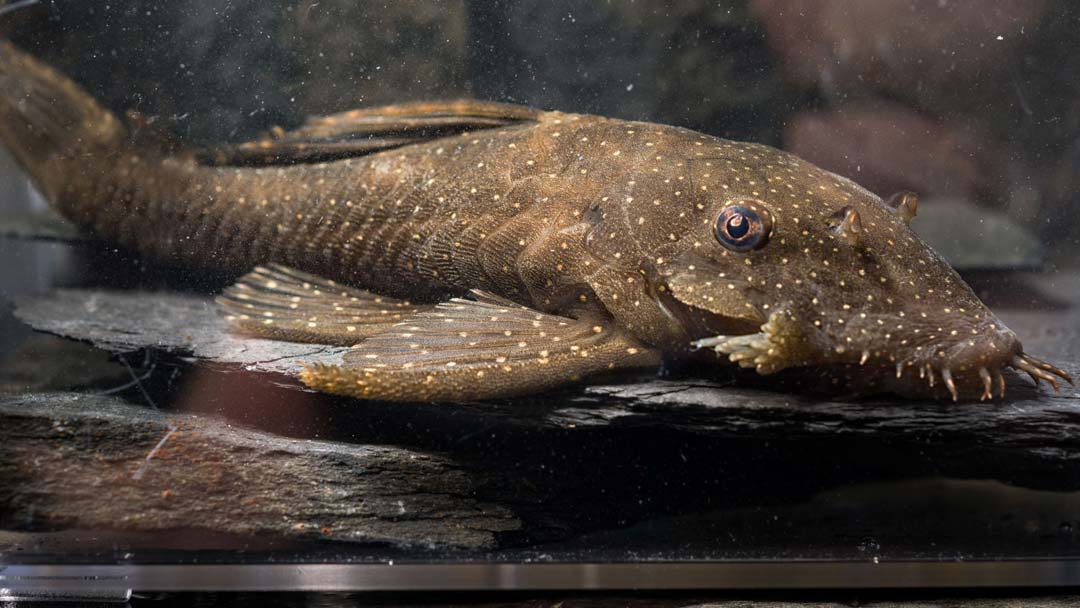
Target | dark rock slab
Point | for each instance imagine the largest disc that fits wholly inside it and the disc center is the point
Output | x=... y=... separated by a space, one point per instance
x=94 y=462
x=558 y=466
x=126 y=321
x=1032 y=438
x=44 y=363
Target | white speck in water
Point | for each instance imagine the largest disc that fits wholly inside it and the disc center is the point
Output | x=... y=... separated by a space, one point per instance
x=630 y=87
x=1000 y=37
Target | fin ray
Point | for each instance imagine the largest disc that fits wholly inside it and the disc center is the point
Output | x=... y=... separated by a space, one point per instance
x=479 y=348
x=365 y=131
x=282 y=303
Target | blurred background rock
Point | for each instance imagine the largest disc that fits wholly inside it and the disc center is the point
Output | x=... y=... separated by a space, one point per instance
x=976 y=99
x=974 y=102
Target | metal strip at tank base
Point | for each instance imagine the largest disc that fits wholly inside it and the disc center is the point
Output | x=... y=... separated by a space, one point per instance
x=17 y=580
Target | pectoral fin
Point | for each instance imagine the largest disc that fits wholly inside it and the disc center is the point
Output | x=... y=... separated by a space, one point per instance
x=360 y=132
x=478 y=348
x=281 y=303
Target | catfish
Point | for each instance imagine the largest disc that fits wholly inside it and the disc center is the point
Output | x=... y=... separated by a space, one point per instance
x=475 y=250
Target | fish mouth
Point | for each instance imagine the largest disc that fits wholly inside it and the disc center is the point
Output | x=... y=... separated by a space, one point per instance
x=975 y=366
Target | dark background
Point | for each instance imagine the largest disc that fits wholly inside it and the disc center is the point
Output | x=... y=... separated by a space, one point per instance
x=976 y=101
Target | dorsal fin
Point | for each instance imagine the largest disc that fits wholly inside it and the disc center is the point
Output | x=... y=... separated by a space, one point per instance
x=364 y=131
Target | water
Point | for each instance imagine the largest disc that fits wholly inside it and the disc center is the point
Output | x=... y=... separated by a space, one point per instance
x=977 y=112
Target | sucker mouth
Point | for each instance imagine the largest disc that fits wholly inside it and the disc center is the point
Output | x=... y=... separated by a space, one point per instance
x=760 y=352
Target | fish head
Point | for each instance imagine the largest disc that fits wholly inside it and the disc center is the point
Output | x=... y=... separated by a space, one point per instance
x=790 y=266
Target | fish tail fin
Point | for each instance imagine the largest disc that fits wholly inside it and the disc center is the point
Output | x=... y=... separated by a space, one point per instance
x=54 y=129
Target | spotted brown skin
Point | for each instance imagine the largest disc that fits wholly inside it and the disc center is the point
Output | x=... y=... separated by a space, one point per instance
x=469 y=250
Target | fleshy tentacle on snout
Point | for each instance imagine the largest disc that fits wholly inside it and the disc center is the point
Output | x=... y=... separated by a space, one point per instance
x=978 y=360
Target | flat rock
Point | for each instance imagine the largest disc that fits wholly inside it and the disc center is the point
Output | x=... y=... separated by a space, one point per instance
x=126 y=321
x=88 y=461
x=527 y=472
x=1032 y=438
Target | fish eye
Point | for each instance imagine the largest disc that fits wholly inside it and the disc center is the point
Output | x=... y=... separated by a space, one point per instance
x=743 y=225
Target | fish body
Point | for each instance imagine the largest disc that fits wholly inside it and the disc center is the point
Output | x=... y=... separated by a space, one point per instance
x=473 y=250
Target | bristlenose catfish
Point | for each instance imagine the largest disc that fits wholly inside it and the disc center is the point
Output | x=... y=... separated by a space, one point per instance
x=472 y=250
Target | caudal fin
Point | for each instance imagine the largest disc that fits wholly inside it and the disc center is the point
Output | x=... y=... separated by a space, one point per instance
x=52 y=127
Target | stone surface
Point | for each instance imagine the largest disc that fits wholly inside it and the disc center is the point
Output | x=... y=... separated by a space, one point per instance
x=94 y=462
x=127 y=321
x=44 y=363
x=1037 y=430
x=640 y=463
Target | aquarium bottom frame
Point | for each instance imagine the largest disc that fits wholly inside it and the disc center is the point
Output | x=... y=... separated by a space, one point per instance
x=101 y=582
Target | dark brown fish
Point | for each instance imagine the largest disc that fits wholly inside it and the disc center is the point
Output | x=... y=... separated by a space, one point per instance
x=513 y=250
